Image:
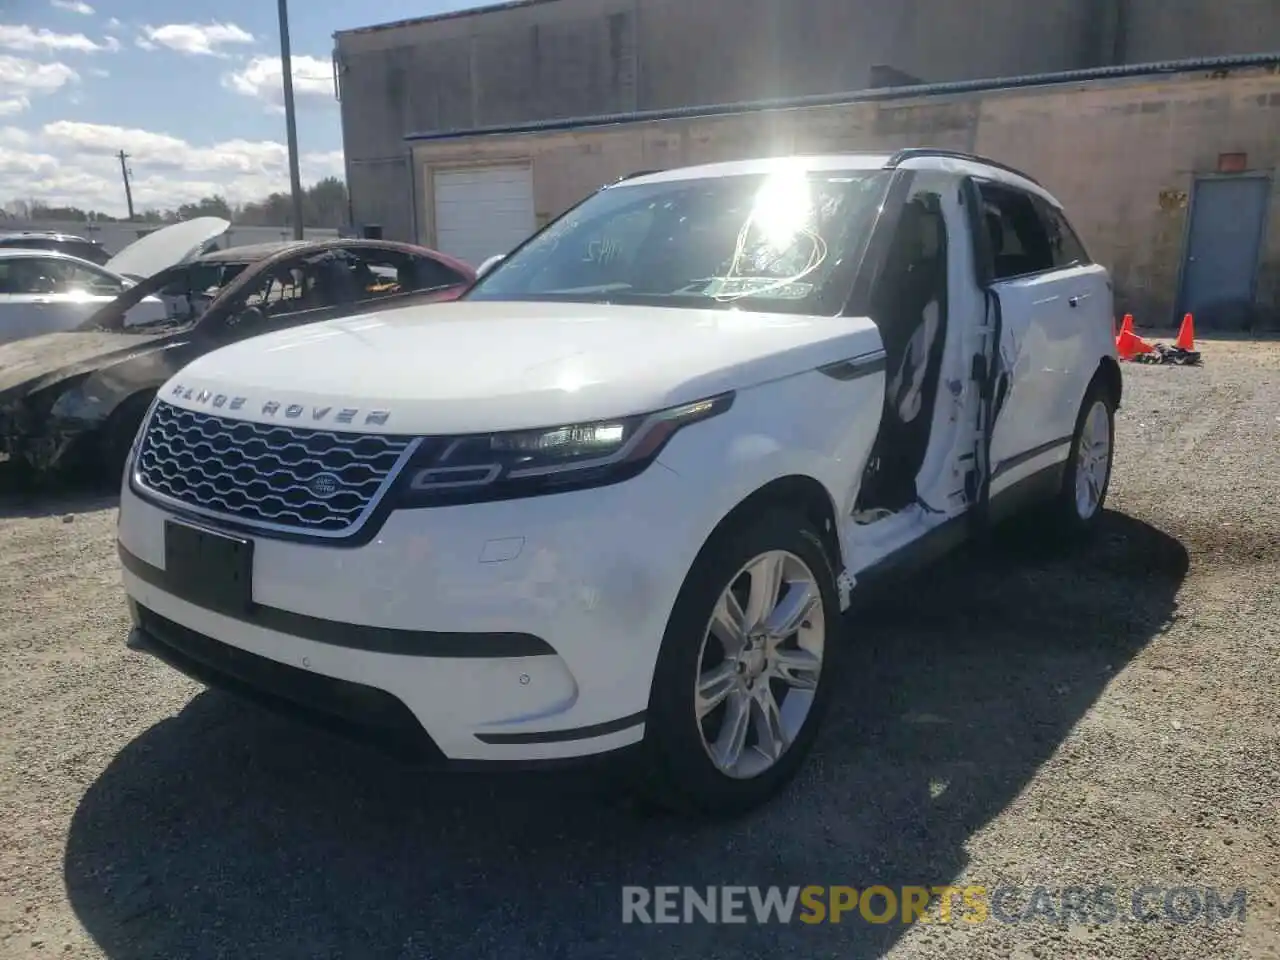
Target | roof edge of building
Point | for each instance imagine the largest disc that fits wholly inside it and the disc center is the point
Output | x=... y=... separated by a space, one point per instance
x=436 y=17
x=708 y=111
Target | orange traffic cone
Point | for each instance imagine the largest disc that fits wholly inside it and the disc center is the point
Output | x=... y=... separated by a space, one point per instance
x=1129 y=345
x=1186 y=335
x=1127 y=325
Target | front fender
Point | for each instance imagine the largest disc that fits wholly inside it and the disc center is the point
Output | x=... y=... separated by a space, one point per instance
x=812 y=425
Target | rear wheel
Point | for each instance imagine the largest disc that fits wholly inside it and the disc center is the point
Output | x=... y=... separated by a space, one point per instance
x=1077 y=508
x=745 y=670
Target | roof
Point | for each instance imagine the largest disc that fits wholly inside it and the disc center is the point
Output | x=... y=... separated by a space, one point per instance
x=706 y=111
x=447 y=15
x=762 y=165
x=9 y=235
x=910 y=159
x=253 y=252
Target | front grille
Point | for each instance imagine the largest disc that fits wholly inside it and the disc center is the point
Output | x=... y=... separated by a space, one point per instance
x=268 y=475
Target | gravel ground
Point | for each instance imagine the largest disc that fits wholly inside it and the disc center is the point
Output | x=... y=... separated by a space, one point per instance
x=1017 y=717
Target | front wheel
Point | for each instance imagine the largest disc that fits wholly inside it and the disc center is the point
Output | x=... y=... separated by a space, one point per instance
x=745 y=670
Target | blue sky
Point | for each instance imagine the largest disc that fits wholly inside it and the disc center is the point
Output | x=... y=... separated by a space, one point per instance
x=192 y=94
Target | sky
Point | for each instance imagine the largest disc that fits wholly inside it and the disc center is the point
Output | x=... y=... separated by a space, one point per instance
x=193 y=95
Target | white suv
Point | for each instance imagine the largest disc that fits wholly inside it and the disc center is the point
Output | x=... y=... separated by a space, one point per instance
x=620 y=495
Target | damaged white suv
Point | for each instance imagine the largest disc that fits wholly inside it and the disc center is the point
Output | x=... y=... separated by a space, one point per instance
x=618 y=497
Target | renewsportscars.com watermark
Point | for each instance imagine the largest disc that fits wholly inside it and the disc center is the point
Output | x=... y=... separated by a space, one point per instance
x=934 y=904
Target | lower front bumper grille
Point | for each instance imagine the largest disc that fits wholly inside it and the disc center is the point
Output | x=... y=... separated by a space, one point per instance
x=350 y=709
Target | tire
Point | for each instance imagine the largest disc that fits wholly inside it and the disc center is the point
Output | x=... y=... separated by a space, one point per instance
x=678 y=771
x=1077 y=508
x=118 y=436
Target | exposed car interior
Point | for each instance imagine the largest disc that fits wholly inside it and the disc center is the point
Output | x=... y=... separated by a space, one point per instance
x=910 y=307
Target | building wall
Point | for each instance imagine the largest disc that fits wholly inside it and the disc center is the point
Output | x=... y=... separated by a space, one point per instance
x=1121 y=155
x=556 y=59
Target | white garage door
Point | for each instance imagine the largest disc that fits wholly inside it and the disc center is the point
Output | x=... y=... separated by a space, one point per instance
x=481 y=211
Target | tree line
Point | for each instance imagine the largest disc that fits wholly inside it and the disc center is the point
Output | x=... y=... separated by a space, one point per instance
x=324 y=204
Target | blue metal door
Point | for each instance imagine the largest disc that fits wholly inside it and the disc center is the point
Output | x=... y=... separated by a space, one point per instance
x=1224 y=242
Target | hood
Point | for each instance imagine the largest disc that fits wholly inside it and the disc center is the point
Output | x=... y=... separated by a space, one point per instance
x=475 y=366
x=26 y=361
x=157 y=251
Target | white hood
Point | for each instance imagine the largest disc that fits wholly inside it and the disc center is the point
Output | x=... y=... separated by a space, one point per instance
x=157 y=251
x=485 y=366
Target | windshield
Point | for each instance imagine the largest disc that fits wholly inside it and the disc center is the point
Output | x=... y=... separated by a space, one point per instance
x=781 y=242
x=185 y=290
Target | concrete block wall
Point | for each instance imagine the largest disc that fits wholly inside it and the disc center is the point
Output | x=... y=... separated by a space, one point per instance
x=1122 y=156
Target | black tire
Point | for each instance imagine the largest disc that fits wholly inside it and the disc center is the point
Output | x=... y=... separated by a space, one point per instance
x=118 y=436
x=1063 y=511
x=676 y=770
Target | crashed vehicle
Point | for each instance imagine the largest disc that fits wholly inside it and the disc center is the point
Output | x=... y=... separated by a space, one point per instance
x=47 y=291
x=716 y=404
x=74 y=400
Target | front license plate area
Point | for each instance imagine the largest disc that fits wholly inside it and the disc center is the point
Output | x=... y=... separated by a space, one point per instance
x=211 y=570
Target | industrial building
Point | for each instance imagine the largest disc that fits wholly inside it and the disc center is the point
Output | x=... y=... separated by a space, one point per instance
x=1157 y=124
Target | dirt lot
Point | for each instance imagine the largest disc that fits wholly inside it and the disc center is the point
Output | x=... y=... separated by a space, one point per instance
x=1105 y=718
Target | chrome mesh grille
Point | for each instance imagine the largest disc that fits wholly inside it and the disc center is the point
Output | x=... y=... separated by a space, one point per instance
x=272 y=475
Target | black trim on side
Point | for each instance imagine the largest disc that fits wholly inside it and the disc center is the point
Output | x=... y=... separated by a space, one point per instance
x=854 y=367
x=358 y=636
x=1017 y=460
x=947 y=536
x=565 y=736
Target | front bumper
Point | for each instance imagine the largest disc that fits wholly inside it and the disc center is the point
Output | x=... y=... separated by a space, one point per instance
x=510 y=631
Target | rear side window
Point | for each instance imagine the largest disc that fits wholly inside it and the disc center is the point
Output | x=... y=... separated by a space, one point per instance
x=1019 y=241
x=388 y=273
x=1064 y=243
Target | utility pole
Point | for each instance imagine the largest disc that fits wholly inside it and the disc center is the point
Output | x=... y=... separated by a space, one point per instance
x=128 y=190
x=290 y=120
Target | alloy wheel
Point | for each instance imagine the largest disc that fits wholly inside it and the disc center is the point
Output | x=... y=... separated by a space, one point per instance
x=1093 y=460
x=759 y=664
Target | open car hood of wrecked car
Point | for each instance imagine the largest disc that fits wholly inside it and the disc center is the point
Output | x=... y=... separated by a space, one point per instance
x=167 y=246
x=25 y=362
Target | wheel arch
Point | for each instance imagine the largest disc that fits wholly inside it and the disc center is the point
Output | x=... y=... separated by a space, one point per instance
x=797 y=491
x=1111 y=378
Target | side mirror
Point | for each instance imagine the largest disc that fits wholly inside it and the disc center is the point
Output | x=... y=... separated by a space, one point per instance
x=489 y=264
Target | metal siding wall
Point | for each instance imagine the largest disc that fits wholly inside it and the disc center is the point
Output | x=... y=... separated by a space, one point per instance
x=381 y=193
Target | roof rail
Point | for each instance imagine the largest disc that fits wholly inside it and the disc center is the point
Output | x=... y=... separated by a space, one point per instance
x=634 y=174
x=912 y=152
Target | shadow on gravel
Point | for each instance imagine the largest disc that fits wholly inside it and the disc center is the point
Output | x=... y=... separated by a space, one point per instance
x=53 y=497
x=227 y=832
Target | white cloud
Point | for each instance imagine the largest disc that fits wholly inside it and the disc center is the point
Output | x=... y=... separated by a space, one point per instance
x=76 y=164
x=263 y=79
x=73 y=6
x=28 y=40
x=21 y=79
x=114 y=24
x=199 y=39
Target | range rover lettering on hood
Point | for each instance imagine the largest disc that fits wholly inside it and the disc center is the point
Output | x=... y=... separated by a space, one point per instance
x=273 y=408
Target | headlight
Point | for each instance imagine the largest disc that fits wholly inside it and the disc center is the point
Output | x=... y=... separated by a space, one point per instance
x=525 y=463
